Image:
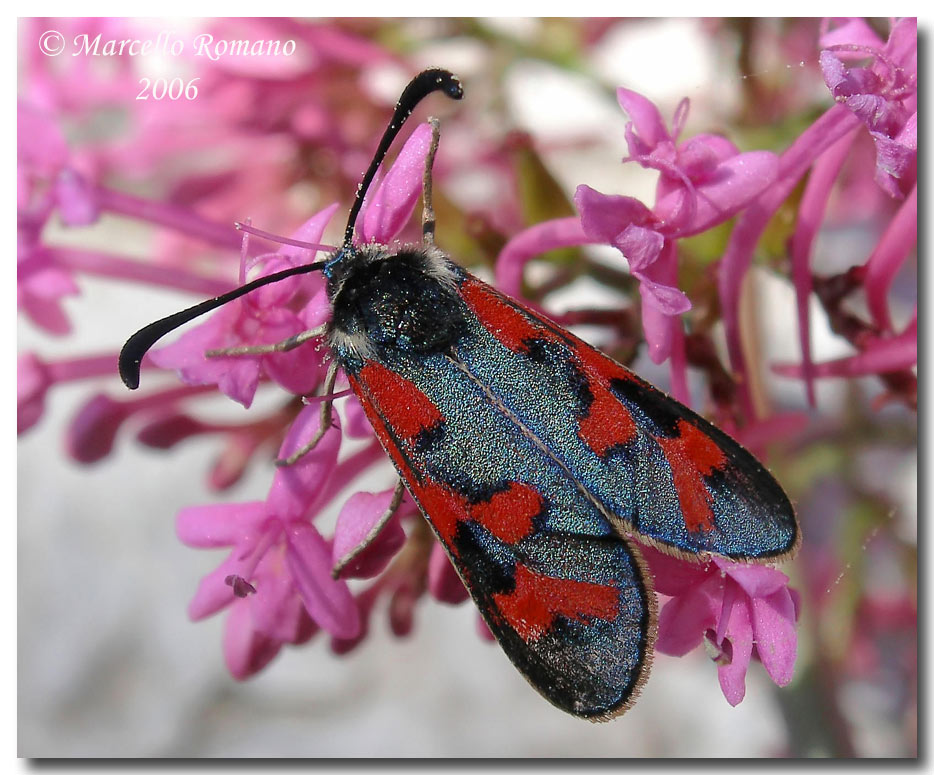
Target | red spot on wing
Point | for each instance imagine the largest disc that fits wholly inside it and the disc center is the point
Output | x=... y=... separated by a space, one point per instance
x=444 y=509
x=598 y=367
x=693 y=455
x=508 y=514
x=406 y=409
x=501 y=318
x=700 y=448
x=538 y=600
x=382 y=433
x=608 y=422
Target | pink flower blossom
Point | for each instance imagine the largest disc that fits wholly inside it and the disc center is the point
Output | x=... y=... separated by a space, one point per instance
x=739 y=611
x=704 y=180
x=32 y=383
x=883 y=97
x=91 y=434
x=883 y=94
x=263 y=317
x=276 y=548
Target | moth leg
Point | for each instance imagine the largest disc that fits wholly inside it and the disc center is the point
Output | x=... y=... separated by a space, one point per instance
x=348 y=558
x=327 y=411
x=277 y=347
x=428 y=212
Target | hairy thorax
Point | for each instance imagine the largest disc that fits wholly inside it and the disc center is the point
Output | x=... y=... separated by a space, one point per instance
x=394 y=302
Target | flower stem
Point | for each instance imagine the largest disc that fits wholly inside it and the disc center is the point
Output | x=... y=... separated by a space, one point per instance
x=170 y=216
x=117 y=267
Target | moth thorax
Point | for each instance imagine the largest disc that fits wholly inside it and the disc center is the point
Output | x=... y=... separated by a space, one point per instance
x=407 y=301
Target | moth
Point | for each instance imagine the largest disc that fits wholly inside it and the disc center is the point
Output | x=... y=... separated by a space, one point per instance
x=540 y=464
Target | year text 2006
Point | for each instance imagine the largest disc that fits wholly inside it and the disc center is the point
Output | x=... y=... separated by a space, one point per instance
x=167 y=89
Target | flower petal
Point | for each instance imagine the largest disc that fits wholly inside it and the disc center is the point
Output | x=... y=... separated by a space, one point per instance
x=646 y=120
x=365 y=602
x=213 y=593
x=357 y=518
x=732 y=185
x=739 y=634
x=311 y=231
x=32 y=383
x=240 y=380
x=327 y=600
x=246 y=651
x=295 y=487
x=219 y=524
x=754 y=580
x=276 y=607
x=387 y=209
x=674 y=576
x=667 y=300
x=603 y=217
x=77 y=200
x=773 y=619
x=640 y=246
x=684 y=620
x=91 y=433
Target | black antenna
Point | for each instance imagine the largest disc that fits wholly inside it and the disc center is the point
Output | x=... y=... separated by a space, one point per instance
x=137 y=345
x=423 y=84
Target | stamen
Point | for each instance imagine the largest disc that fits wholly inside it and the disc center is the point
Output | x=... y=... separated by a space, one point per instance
x=241 y=587
x=283 y=240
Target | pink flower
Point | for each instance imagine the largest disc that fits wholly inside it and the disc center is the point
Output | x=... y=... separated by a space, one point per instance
x=263 y=317
x=739 y=611
x=276 y=548
x=92 y=431
x=390 y=202
x=704 y=180
x=882 y=94
x=32 y=383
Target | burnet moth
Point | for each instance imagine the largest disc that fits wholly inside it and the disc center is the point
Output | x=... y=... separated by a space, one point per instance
x=540 y=463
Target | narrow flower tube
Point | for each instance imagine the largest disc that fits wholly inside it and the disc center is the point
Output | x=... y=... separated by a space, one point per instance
x=810 y=215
